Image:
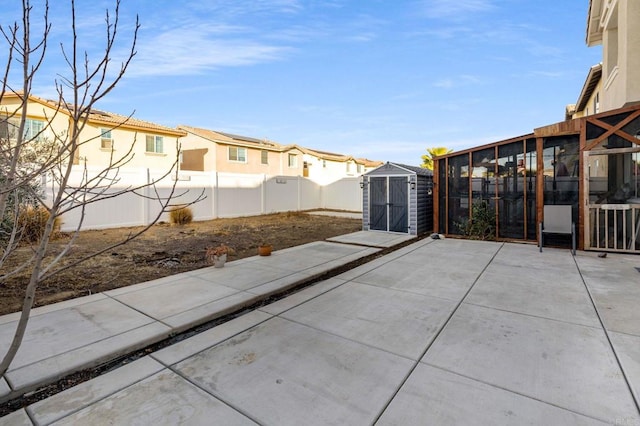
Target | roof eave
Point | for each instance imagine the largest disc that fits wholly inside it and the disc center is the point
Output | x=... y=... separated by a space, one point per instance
x=590 y=83
x=594 y=32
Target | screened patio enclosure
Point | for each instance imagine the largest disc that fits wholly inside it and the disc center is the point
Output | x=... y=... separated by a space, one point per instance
x=590 y=163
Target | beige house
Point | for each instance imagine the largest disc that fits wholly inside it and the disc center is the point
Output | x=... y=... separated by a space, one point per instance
x=614 y=83
x=208 y=150
x=326 y=167
x=105 y=134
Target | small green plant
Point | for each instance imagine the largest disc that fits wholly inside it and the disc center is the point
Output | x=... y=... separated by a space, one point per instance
x=32 y=222
x=180 y=215
x=482 y=225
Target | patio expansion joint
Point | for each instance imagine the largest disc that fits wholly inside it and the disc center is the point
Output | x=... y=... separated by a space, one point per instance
x=217 y=397
x=611 y=345
x=533 y=316
x=493 y=385
x=321 y=330
x=201 y=327
x=157 y=320
x=438 y=333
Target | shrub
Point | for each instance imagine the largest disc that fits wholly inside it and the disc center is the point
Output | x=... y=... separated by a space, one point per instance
x=180 y=215
x=482 y=225
x=32 y=222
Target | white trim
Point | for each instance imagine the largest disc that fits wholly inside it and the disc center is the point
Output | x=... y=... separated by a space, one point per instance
x=611 y=77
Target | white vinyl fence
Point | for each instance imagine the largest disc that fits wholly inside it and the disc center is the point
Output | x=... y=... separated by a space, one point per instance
x=224 y=195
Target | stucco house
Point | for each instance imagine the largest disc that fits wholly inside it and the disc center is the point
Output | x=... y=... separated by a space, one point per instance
x=615 y=82
x=326 y=167
x=588 y=164
x=209 y=150
x=153 y=146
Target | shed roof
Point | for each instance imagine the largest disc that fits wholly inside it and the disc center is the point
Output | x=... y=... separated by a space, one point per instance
x=413 y=169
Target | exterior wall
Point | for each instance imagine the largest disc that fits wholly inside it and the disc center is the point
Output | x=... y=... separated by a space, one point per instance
x=90 y=152
x=253 y=164
x=325 y=171
x=424 y=204
x=193 y=142
x=621 y=56
x=590 y=109
x=123 y=139
x=37 y=111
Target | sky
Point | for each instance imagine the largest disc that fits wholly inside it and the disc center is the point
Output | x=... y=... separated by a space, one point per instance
x=379 y=79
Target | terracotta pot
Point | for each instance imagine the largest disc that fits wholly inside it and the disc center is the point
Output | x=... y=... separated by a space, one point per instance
x=265 y=250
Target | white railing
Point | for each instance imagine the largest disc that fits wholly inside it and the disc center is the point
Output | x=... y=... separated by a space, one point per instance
x=614 y=227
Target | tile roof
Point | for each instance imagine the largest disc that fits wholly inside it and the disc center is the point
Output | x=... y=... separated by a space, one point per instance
x=108 y=118
x=228 y=138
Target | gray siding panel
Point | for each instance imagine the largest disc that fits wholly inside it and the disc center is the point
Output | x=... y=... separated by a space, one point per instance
x=420 y=201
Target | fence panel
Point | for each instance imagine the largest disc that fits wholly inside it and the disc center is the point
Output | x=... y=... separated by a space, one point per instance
x=225 y=195
x=344 y=194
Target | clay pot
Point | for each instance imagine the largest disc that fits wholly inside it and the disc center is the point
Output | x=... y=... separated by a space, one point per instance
x=265 y=250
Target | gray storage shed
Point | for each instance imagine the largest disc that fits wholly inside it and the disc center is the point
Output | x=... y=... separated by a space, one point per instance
x=398 y=198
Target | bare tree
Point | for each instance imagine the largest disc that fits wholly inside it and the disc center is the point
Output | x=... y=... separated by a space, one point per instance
x=27 y=156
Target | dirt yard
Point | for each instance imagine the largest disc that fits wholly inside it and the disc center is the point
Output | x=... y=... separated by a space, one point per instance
x=165 y=250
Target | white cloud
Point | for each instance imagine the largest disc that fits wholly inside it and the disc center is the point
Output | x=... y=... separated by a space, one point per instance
x=459 y=81
x=455 y=9
x=186 y=51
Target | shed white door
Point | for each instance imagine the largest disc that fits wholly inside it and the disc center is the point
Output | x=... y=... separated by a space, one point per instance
x=389 y=203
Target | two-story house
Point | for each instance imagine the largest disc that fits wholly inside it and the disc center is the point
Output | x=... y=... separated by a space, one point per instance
x=326 y=167
x=615 y=82
x=209 y=150
x=105 y=138
x=585 y=169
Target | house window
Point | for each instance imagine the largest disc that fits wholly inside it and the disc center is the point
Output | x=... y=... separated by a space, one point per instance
x=106 y=141
x=264 y=156
x=359 y=168
x=293 y=160
x=238 y=154
x=154 y=144
x=348 y=167
x=324 y=163
x=33 y=129
x=596 y=103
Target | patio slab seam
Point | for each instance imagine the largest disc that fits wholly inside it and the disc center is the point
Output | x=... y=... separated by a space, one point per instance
x=329 y=263
x=480 y=305
x=625 y=374
x=515 y=392
x=437 y=334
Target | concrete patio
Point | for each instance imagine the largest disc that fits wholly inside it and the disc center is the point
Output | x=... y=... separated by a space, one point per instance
x=437 y=332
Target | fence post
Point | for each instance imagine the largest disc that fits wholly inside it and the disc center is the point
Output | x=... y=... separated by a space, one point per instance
x=216 y=196
x=263 y=194
x=147 y=198
x=299 y=192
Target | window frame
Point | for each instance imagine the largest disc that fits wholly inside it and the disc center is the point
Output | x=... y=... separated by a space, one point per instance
x=11 y=125
x=157 y=141
x=106 y=139
x=238 y=157
x=292 y=164
x=264 y=157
